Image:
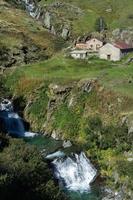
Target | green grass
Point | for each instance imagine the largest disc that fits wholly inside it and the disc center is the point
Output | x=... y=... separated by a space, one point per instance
x=91 y=9
x=59 y=68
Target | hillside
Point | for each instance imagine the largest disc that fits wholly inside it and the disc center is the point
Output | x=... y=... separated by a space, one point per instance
x=22 y=39
x=81 y=16
x=88 y=103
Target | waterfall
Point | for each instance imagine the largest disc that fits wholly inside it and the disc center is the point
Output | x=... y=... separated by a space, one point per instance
x=75 y=173
x=31 y=7
x=11 y=122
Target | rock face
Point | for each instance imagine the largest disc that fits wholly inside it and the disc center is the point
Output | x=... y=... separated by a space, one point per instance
x=22 y=39
x=67 y=96
x=124 y=35
x=65 y=33
x=53 y=16
x=114 y=195
x=24 y=54
x=67 y=144
x=47 y=20
x=48 y=16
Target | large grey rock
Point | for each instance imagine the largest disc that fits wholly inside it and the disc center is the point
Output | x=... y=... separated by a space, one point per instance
x=125 y=35
x=116 y=32
x=59 y=89
x=87 y=85
x=47 y=20
x=53 y=31
x=111 y=195
x=55 y=135
x=65 y=33
x=67 y=144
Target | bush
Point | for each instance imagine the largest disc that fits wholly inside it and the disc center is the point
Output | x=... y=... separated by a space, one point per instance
x=100 y=24
x=24 y=175
x=109 y=136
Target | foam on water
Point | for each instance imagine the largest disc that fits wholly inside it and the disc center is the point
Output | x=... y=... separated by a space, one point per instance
x=56 y=154
x=30 y=134
x=76 y=172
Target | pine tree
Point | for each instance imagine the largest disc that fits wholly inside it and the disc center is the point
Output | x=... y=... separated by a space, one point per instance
x=100 y=24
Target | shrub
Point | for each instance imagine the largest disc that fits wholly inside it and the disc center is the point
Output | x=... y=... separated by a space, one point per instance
x=24 y=175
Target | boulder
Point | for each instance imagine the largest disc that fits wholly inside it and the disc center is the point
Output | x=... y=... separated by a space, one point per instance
x=116 y=32
x=59 y=89
x=47 y=20
x=87 y=85
x=65 y=33
x=55 y=135
x=67 y=144
x=111 y=195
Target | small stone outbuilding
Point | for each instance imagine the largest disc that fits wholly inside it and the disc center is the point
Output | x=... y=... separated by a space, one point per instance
x=114 y=52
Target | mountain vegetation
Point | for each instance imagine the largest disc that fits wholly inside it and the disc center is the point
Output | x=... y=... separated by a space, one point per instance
x=89 y=102
x=24 y=174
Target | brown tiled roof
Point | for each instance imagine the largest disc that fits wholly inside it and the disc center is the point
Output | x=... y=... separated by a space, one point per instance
x=122 y=45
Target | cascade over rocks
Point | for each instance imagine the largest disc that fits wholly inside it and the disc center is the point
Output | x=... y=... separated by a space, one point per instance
x=11 y=122
x=48 y=17
x=76 y=173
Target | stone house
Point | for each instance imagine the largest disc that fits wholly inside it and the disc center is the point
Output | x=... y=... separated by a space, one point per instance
x=114 y=51
x=79 y=54
x=93 y=45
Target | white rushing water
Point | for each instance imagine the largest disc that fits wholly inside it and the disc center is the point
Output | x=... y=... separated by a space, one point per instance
x=30 y=7
x=12 y=122
x=6 y=105
x=75 y=173
x=56 y=154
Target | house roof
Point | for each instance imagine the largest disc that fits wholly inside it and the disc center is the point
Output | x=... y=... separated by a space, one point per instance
x=122 y=45
x=94 y=39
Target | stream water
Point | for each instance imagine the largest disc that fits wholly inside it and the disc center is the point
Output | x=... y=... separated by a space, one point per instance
x=74 y=172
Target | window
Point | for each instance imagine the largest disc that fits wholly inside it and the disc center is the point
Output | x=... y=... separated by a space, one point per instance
x=97 y=46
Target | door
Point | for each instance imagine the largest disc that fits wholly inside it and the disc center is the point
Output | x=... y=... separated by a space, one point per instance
x=109 y=57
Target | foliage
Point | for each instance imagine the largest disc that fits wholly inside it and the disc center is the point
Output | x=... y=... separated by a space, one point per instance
x=24 y=174
x=36 y=112
x=126 y=168
x=100 y=24
x=4 y=141
x=67 y=121
x=109 y=136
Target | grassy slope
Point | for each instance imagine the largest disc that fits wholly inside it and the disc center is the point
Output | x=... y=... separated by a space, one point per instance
x=17 y=26
x=91 y=9
x=113 y=75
